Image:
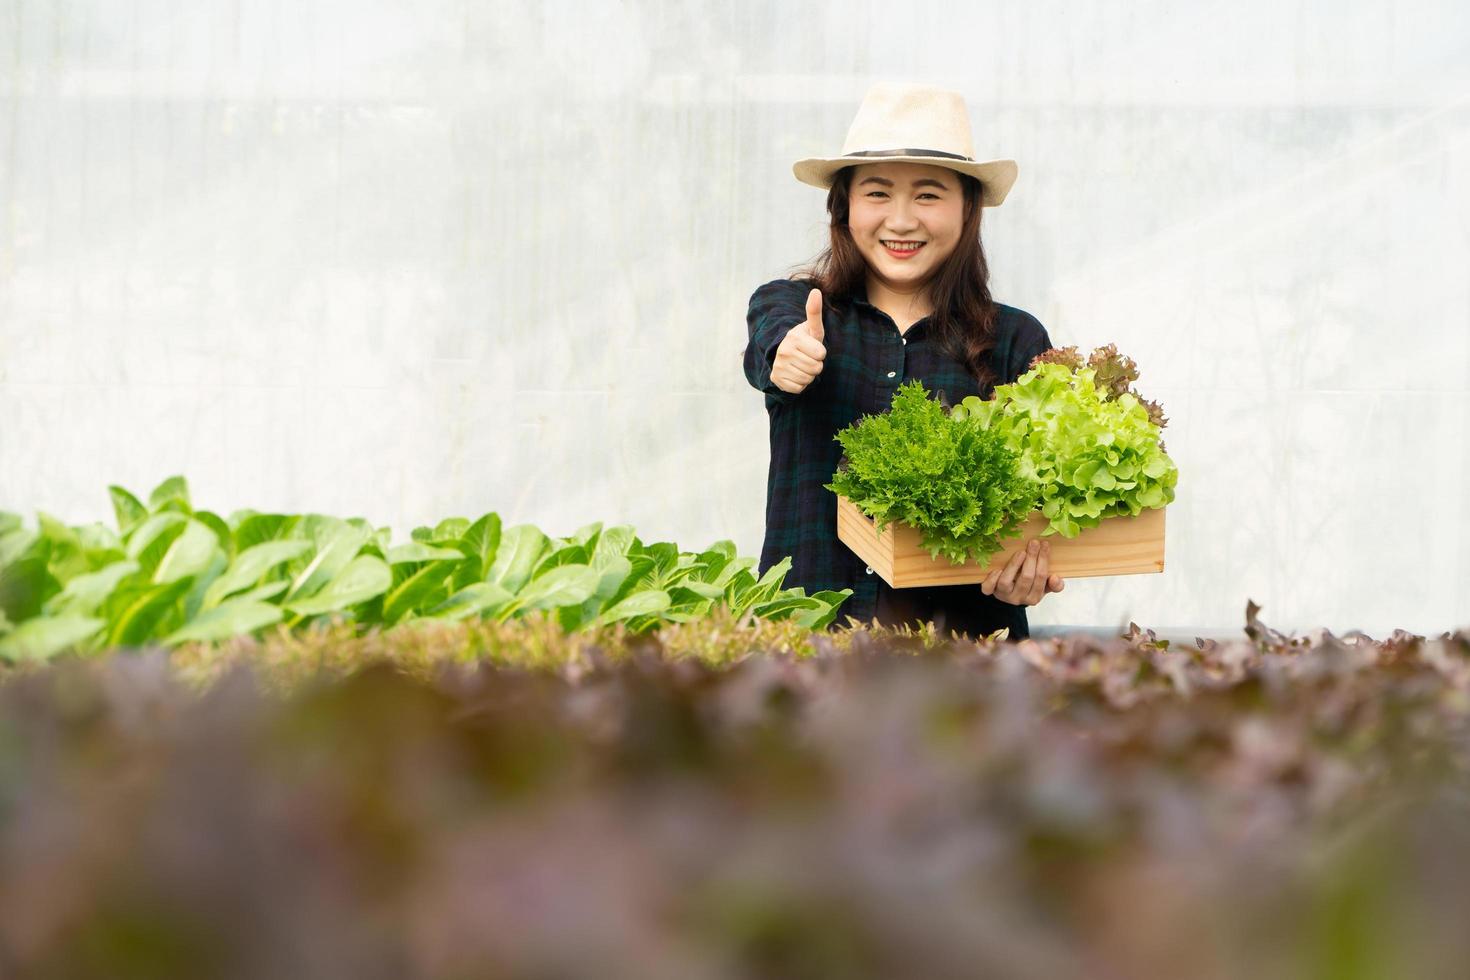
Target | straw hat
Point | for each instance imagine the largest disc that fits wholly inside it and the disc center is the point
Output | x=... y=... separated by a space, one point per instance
x=912 y=124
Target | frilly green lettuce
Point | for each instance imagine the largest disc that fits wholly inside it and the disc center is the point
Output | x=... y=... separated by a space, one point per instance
x=956 y=483
x=1090 y=456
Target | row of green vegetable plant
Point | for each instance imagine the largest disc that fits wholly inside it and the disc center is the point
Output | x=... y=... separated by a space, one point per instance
x=1070 y=438
x=170 y=574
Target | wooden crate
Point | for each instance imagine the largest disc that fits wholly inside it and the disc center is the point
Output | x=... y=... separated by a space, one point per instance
x=1117 y=546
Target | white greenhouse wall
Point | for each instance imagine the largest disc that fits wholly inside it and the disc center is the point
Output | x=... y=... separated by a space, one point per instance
x=413 y=259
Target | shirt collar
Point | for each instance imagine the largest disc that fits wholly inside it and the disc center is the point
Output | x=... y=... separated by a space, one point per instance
x=860 y=297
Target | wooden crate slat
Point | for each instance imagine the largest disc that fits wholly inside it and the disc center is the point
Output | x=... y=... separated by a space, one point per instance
x=1117 y=546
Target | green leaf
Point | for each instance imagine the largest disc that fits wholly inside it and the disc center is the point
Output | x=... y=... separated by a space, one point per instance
x=203 y=579
x=770 y=583
x=260 y=528
x=66 y=559
x=480 y=597
x=613 y=542
x=705 y=590
x=25 y=586
x=820 y=618
x=450 y=527
x=484 y=537
x=417 y=551
x=684 y=568
x=740 y=584
x=784 y=606
x=733 y=568
x=640 y=572
x=520 y=548
x=363 y=578
x=715 y=559
x=44 y=638
x=1152 y=496
x=645 y=603
x=587 y=535
x=18 y=543
x=565 y=585
x=615 y=572
x=571 y=554
x=664 y=554
x=170 y=495
x=338 y=544
x=234 y=617
x=100 y=544
x=148 y=542
x=480 y=541
x=128 y=509
x=146 y=613
x=418 y=589
x=221 y=530
x=688 y=602
x=84 y=594
x=250 y=564
x=189 y=554
x=262 y=593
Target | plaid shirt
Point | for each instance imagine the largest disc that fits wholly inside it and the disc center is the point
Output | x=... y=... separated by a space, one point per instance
x=867 y=359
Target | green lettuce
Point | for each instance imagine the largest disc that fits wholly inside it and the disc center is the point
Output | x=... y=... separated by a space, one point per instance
x=1092 y=450
x=957 y=482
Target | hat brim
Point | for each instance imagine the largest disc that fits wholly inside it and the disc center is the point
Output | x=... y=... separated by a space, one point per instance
x=995 y=176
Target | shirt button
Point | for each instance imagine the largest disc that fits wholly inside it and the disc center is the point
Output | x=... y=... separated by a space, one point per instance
x=869 y=570
x=892 y=373
x=904 y=339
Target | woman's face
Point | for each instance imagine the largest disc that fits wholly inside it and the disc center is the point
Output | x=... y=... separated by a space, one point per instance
x=893 y=207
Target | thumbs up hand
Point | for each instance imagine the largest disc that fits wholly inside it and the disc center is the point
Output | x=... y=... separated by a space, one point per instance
x=801 y=352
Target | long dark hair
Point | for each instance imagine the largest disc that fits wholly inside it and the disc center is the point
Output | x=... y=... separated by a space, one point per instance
x=963 y=320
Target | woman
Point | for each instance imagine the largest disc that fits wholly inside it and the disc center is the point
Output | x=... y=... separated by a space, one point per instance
x=900 y=293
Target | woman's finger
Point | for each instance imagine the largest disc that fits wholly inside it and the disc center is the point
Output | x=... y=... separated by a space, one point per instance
x=804 y=343
x=1038 y=581
x=1024 y=578
x=988 y=586
x=801 y=362
x=1007 y=588
x=1007 y=581
x=798 y=378
x=1055 y=583
x=792 y=381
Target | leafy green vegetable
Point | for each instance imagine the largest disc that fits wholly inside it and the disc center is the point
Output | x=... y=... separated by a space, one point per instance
x=954 y=480
x=361 y=579
x=229 y=618
x=1092 y=451
x=1113 y=373
x=1070 y=437
x=173 y=574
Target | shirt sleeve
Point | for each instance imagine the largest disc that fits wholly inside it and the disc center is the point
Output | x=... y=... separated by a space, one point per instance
x=774 y=309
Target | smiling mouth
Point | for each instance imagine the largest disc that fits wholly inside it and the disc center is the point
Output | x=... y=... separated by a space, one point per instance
x=899 y=246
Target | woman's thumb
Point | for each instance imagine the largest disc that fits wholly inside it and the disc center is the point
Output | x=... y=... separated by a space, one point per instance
x=814 y=314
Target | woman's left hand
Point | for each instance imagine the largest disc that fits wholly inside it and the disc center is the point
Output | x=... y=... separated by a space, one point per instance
x=1024 y=579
